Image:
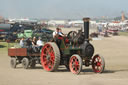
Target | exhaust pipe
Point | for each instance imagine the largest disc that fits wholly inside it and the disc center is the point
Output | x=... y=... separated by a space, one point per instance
x=87 y=48
x=86 y=28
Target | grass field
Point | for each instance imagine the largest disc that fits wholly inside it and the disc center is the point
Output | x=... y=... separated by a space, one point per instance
x=3 y=46
x=123 y=33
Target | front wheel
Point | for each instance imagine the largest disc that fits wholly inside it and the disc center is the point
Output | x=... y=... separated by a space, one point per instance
x=75 y=64
x=98 y=64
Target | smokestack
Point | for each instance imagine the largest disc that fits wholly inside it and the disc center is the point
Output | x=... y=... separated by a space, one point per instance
x=86 y=28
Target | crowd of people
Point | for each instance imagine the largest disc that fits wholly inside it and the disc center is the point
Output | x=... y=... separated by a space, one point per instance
x=35 y=44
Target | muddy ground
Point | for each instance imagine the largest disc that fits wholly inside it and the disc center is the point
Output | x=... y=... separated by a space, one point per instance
x=113 y=49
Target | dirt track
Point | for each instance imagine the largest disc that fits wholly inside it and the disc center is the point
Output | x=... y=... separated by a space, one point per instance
x=114 y=50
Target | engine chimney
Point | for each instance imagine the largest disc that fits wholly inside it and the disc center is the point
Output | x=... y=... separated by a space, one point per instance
x=86 y=28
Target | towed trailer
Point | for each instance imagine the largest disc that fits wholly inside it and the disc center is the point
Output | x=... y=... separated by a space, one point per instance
x=24 y=57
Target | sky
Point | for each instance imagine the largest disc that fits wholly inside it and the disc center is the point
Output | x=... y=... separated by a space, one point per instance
x=62 y=9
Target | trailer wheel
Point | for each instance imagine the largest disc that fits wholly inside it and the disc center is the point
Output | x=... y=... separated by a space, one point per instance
x=50 y=57
x=98 y=64
x=33 y=64
x=13 y=62
x=75 y=64
x=25 y=63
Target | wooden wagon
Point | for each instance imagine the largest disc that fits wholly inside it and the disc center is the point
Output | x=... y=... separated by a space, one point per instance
x=24 y=57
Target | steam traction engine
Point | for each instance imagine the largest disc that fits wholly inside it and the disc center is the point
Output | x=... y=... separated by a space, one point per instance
x=72 y=51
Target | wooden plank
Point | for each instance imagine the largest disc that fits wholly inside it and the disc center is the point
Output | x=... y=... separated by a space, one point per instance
x=21 y=51
x=17 y=52
x=11 y=52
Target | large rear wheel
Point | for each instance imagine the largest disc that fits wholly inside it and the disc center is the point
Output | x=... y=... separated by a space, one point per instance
x=75 y=64
x=98 y=64
x=50 y=56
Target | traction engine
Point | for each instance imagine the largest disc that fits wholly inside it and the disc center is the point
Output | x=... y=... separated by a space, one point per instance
x=73 y=51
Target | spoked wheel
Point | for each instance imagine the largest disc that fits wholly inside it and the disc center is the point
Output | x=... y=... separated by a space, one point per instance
x=75 y=64
x=25 y=63
x=13 y=62
x=50 y=56
x=98 y=64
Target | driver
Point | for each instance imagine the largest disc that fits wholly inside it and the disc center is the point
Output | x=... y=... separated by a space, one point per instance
x=61 y=33
x=56 y=33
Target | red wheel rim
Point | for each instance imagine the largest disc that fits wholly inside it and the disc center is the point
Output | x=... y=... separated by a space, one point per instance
x=47 y=57
x=74 y=65
x=97 y=64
